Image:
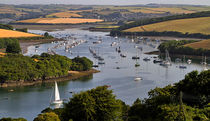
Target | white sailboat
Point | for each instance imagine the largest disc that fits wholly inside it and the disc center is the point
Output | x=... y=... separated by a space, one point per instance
x=167 y=61
x=57 y=99
x=183 y=62
x=205 y=65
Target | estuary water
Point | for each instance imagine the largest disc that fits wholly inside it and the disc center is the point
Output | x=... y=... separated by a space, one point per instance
x=117 y=72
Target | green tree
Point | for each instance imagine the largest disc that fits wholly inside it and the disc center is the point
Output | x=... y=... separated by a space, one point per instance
x=80 y=108
x=107 y=107
x=51 y=116
x=98 y=104
x=46 y=34
x=13 y=47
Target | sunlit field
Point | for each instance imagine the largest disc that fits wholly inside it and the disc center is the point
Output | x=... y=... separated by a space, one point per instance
x=15 y=34
x=194 y=25
x=60 y=20
x=201 y=44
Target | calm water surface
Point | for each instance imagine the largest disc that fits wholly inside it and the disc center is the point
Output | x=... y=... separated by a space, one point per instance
x=28 y=102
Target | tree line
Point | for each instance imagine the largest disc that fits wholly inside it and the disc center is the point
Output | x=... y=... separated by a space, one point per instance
x=16 y=67
x=6 y=26
x=177 y=47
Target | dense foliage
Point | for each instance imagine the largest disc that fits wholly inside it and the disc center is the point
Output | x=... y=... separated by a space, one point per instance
x=47 y=117
x=81 y=64
x=16 y=67
x=176 y=47
x=13 y=47
x=117 y=31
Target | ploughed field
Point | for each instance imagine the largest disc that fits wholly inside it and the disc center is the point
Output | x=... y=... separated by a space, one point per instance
x=193 y=25
x=205 y=44
x=15 y=34
x=60 y=20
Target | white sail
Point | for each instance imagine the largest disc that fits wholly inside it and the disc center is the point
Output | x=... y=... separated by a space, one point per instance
x=57 y=95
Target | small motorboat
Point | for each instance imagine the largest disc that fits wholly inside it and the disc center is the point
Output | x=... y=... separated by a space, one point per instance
x=146 y=59
x=101 y=62
x=135 y=57
x=137 y=79
x=182 y=67
x=95 y=66
x=189 y=61
x=122 y=55
x=157 y=61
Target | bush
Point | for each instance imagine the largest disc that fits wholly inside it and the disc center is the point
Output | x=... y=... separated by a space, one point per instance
x=13 y=47
x=47 y=117
x=22 y=30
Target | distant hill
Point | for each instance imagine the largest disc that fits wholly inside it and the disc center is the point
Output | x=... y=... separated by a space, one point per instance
x=182 y=25
x=191 y=26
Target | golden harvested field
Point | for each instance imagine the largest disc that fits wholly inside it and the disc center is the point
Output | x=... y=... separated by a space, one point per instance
x=15 y=34
x=65 y=15
x=194 y=25
x=34 y=20
x=201 y=44
x=60 y=20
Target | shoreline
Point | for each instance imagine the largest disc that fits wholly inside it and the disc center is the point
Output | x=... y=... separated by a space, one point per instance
x=24 y=44
x=175 y=55
x=71 y=76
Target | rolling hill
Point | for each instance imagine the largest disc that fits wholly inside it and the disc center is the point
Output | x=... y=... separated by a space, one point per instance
x=191 y=26
x=15 y=34
x=205 y=44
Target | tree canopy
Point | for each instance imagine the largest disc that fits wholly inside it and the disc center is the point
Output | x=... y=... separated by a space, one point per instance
x=47 y=117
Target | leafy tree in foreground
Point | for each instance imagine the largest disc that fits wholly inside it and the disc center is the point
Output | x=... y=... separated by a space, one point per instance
x=47 y=117
x=98 y=104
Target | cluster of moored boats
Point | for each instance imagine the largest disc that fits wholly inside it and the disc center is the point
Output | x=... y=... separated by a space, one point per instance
x=96 y=56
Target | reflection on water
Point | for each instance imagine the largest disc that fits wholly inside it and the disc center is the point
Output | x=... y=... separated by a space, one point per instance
x=29 y=101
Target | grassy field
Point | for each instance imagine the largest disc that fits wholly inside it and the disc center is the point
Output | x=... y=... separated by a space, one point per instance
x=15 y=34
x=172 y=10
x=194 y=25
x=67 y=14
x=201 y=44
x=161 y=10
x=146 y=11
x=60 y=20
x=11 y=11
